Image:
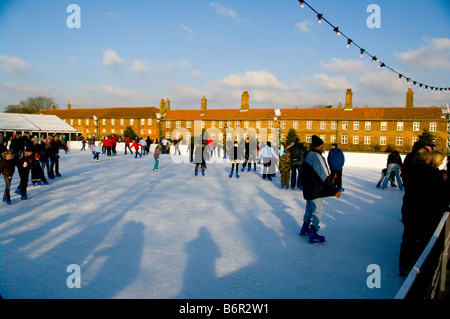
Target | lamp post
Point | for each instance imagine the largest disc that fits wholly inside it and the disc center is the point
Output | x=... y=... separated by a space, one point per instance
x=96 y=124
x=278 y=118
x=158 y=119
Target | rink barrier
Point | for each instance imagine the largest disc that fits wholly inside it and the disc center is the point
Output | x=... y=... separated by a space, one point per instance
x=439 y=243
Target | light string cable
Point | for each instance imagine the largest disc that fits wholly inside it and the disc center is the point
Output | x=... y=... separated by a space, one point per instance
x=363 y=51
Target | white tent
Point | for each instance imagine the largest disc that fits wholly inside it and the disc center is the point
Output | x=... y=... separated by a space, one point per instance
x=34 y=123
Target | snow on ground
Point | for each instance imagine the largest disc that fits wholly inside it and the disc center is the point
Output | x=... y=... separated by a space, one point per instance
x=136 y=233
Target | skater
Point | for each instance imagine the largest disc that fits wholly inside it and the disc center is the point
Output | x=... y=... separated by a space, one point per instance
x=317 y=183
x=235 y=155
x=336 y=160
x=136 y=147
x=199 y=156
x=83 y=143
x=96 y=151
x=55 y=145
x=394 y=163
x=7 y=168
x=127 y=145
x=298 y=154
x=37 y=174
x=156 y=154
x=285 y=169
x=268 y=155
x=250 y=154
x=143 y=146
x=24 y=166
x=44 y=154
x=424 y=203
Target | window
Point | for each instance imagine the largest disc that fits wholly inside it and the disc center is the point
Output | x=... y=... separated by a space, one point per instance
x=79 y=121
x=414 y=140
x=178 y=124
x=416 y=126
x=323 y=125
x=148 y=131
x=270 y=124
x=71 y=122
x=368 y=126
x=433 y=126
x=283 y=137
x=334 y=125
x=149 y=121
x=168 y=124
x=113 y=122
x=168 y=135
x=203 y=124
x=344 y=139
x=188 y=124
x=258 y=124
x=366 y=140
x=382 y=140
x=356 y=126
x=333 y=139
x=308 y=125
x=221 y=124
x=399 y=141
x=142 y=121
x=104 y=121
x=113 y=131
x=228 y=123
x=345 y=126
x=87 y=121
x=213 y=124
x=236 y=124
x=295 y=125
x=355 y=139
x=131 y=121
x=383 y=126
x=399 y=126
x=283 y=125
x=323 y=138
x=122 y=121
x=308 y=138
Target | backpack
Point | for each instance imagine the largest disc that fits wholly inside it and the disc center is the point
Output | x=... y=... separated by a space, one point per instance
x=297 y=153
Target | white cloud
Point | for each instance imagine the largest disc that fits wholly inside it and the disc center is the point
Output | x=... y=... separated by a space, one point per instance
x=196 y=73
x=434 y=55
x=140 y=67
x=252 y=79
x=112 y=91
x=222 y=10
x=27 y=89
x=189 y=31
x=345 y=66
x=110 y=58
x=13 y=64
x=303 y=26
x=329 y=83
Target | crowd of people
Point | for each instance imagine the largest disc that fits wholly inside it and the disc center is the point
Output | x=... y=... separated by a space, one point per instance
x=426 y=187
x=29 y=154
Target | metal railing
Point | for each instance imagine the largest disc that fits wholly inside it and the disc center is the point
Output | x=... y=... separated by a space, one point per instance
x=430 y=271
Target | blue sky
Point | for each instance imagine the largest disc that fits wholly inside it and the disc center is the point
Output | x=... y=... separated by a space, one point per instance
x=134 y=53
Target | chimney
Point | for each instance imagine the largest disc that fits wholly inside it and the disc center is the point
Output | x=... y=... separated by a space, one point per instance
x=245 y=101
x=410 y=98
x=167 y=104
x=69 y=107
x=162 y=107
x=53 y=106
x=348 y=100
x=203 y=105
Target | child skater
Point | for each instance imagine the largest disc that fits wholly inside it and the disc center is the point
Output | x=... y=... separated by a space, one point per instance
x=285 y=169
x=7 y=168
x=37 y=174
x=96 y=151
x=136 y=146
x=156 y=154
x=24 y=166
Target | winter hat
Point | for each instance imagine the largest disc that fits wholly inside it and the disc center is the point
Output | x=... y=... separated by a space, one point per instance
x=316 y=141
x=35 y=139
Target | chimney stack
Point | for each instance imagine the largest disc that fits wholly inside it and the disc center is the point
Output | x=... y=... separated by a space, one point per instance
x=410 y=98
x=349 y=100
x=245 y=101
x=167 y=104
x=203 y=105
x=69 y=107
x=162 y=107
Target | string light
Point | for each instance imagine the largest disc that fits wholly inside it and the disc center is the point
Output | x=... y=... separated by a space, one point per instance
x=321 y=18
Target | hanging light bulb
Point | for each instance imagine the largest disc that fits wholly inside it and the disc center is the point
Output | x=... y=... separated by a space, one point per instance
x=414 y=83
x=302 y=3
x=420 y=86
x=426 y=88
x=407 y=80
x=381 y=65
x=349 y=42
x=319 y=17
x=400 y=77
x=362 y=52
x=336 y=29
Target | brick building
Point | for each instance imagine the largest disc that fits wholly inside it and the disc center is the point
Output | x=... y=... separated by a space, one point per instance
x=355 y=129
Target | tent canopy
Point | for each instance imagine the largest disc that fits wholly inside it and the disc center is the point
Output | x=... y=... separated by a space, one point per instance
x=34 y=123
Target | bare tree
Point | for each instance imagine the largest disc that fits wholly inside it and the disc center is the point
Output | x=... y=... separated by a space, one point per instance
x=32 y=105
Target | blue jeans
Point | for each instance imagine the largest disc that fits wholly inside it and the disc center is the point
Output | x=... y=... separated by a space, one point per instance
x=156 y=163
x=313 y=212
x=396 y=168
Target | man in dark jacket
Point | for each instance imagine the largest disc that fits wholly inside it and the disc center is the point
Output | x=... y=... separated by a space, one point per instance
x=336 y=162
x=317 y=183
x=423 y=205
x=55 y=145
x=298 y=154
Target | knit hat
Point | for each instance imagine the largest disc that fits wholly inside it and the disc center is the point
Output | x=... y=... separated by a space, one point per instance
x=35 y=139
x=316 y=141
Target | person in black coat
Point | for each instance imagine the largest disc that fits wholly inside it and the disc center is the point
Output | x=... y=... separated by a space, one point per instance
x=423 y=205
x=55 y=145
x=298 y=154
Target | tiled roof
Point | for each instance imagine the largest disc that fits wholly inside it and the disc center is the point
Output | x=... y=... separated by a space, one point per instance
x=366 y=113
x=111 y=112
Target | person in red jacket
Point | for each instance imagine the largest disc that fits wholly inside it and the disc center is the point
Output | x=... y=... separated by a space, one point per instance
x=127 y=145
x=113 y=145
x=136 y=146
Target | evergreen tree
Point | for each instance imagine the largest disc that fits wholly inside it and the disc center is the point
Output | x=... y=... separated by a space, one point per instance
x=427 y=138
x=130 y=133
x=291 y=136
